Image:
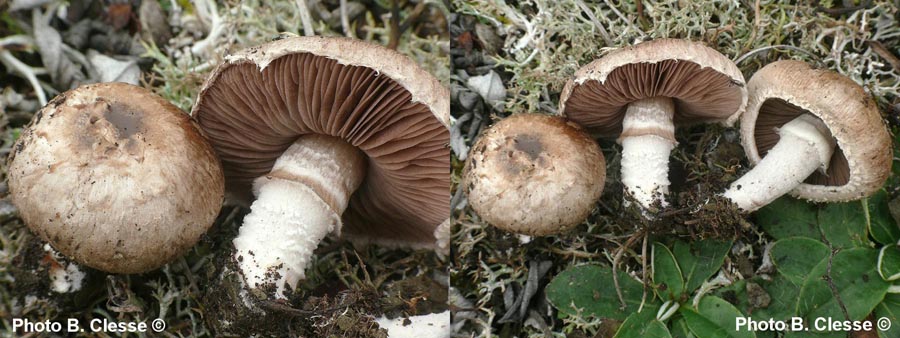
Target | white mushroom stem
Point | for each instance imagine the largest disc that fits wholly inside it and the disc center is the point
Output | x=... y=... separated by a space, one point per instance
x=648 y=137
x=298 y=203
x=805 y=145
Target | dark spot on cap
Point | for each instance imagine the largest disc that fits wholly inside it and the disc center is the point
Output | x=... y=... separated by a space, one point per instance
x=127 y=120
x=529 y=144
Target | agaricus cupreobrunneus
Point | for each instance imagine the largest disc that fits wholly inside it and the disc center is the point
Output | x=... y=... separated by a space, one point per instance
x=333 y=135
x=115 y=177
x=813 y=133
x=534 y=174
x=639 y=93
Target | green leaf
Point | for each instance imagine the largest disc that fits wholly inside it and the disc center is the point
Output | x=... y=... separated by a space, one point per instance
x=890 y=309
x=844 y=224
x=643 y=324
x=782 y=295
x=667 y=279
x=882 y=225
x=795 y=257
x=812 y=334
x=894 y=179
x=854 y=275
x=588 y=290
x=654 y=329
x=789 y=217
x=714 y=317
x=889 y=262
x=697 y=323
x=681 y=330
x=699 y=261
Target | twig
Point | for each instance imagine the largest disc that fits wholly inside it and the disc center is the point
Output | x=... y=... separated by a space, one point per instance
x=827 y=276
x=879 y=49
x=834 y=290
x=395 y=26
x=830 y=282
x=673 y=212
x=362 y=265
x=24 y=70
x=306 y=18
x=766 y=48
x=603 y=33
x=413 y=16
x=626 y=20
x=644 y=269
x=345 y=20
x=615 y=263
x=640 y=9
x=573 y=253
x=280 y=307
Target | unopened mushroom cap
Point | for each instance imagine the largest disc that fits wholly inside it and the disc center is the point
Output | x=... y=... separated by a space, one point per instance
x=704 y=84
x=783 y=90
x=264 y=98
x=115 y=177
x=534 y=174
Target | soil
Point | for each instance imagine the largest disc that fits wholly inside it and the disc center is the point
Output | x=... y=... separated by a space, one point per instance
x=701 y=168
x=30 y=270
x=323 y=307
x=345 y=314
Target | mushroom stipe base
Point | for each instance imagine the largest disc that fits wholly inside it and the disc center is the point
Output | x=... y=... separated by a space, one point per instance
x=647 y=140
x=297 y=205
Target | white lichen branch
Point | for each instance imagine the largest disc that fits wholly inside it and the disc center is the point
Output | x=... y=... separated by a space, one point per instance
x=26 y=71
x=306 y=18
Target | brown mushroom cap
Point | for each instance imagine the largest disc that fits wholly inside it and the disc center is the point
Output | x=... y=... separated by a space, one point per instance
x=704 y=85
x=262 y=99
x=534 y=174
x=783 y=90
x=115 y=177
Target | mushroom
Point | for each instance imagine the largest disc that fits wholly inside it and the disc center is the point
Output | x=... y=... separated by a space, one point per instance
x=115 y=177
x=334 y=135
x=534 y=174
x=810 y=132
x=640 y=92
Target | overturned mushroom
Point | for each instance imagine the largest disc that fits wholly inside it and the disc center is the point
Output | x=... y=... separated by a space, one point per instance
x=115 y=177
x=334 y=135
x=534 y=174
x=810 y=132
x=639 y=93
